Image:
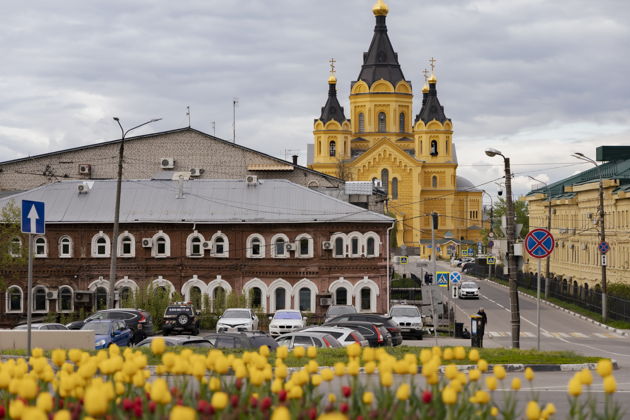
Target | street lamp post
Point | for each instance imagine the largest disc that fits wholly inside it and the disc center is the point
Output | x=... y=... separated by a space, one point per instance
x=491 y=233
x=114 y=241
x=547 y=268
x=602 y=228
x=514 y=306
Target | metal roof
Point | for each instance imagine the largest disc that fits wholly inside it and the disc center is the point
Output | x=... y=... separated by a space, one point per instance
x=203 y=201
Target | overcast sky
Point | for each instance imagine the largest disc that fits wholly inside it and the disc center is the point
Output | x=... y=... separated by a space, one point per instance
x=536 y=79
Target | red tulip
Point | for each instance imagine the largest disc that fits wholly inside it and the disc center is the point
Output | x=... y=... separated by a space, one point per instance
x=238 y=383
x=343 y=407
x=137 y=411
x=59 y=404
x=427 y=396
x=265 y=403
x=234 y=401
x=253 y=401
x=346 y=391
x=2 y=411
x=282 y=395
x=127 y=404
x=359 y=418
x=312 y=413
x=152 y=406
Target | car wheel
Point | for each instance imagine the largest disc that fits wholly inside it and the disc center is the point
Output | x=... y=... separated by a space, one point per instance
x=183 y=319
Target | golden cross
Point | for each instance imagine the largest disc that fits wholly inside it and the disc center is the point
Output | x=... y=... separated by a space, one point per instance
x=432 y=61
x=332 y=65
x=426 y=75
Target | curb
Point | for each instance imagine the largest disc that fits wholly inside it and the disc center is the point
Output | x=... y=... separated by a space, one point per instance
x=575 y=314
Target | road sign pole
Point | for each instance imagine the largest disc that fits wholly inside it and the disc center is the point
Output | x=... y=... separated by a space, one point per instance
x=538 y=308
x=29 y=295
x=433 y=315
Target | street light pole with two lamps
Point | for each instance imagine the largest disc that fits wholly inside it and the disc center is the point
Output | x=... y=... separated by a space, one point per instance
x=511 y=238
x=114 y=241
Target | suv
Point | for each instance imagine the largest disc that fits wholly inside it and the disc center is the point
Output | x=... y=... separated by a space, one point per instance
x=180 y=317
x=138 y=320
x=336 y=310
x=409 y=319
x=386 y=320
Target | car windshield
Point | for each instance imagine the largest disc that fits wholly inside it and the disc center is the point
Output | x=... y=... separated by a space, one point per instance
x=340 y=310
x=469 y=285
x=409 y=312
x=176 y=310
x=287 y=315
x=236 y=314
x=99 y=328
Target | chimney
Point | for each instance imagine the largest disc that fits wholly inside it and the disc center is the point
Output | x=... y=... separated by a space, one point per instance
x=295 y=158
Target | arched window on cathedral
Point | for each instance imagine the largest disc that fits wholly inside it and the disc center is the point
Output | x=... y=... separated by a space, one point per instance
x=385 y=180
x=361 y=122
x=382 y=122
x=332 y=149
x=446 y=144
x=434 y=181
x=434 y=148
x=401 y=122
x=394 y=188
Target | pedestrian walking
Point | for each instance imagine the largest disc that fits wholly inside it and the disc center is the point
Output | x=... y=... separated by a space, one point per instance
x=482 y=325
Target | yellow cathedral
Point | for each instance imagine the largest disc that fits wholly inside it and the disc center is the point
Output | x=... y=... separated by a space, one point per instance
x=413 y=161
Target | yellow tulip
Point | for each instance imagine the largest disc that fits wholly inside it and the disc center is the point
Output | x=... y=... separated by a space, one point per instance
x=340 y=369
x=451 y=371
x=473 y=355
x=5 y=379
x=158 y=346
x=586 y=378
x=368 y=398
x=499 y=371
x=532 y=412
x=604 y=367
x=494 y=411
x=264 y=351
x=219 y=400
x=327 y=375
x=549 y=410
x=460 y=353
x=58 y=357
x=160 y=392
x=449 y=396
x=281 y=413
x=448 y=354
x=28 y=388
x=403 y=392
x=437 y=351
x=33 y=413
x=62 y=415
x=299 y=352
x=38 y=352
x=353 y=368
x=482 y=397
x=94 y=402
x=491 y=383
x=516 y=384
x=474 y=375
x=295 y=393
x=282 y=352
x=433 y=379
x=575 y=387
x=368 y=354
x=44 y=402
x=370 y=367
x=179 y=412
x=215 y=384
x=353 y=350
x=276 y=386
x=529 y=374
x=332 y=398
x=425 y=355
x=316 y=380
x=610 y=385
x=311 y=352
x=16 y=408
x=387 y=379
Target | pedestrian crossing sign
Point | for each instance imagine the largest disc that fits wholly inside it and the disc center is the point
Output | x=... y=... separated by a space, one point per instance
x=442 y=278
x=403 y=260
x=491 y=260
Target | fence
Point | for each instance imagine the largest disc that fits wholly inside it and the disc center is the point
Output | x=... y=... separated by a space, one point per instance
x=560 y=288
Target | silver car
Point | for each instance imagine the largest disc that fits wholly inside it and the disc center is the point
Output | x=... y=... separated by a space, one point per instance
x=469 y=289
x=345 y=336
x=308 y=339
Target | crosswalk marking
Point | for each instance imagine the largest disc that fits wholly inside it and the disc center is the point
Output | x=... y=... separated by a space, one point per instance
x=549 y=334
x=608 y=335
x=578 y=335
x=527 y=334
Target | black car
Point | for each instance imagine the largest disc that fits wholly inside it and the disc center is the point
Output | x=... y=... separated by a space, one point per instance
x=241 y=340
x=375 y=333
x=387 y=321
x=178 y=340
x=180 y=318
x=139 y=321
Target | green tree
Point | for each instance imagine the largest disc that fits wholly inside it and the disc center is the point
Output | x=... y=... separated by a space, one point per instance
x=13 y=254
x=522 y=216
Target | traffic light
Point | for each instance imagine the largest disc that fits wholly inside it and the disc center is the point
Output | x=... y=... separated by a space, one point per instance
x=434 y=216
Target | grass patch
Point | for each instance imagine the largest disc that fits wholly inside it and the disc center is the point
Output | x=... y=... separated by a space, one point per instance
x=328 y=357
x=624 y=325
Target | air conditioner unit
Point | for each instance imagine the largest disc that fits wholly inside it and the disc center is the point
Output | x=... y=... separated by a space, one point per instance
x=51 y=295
x=378 y=183
x=325 y=301
x=289 y=246
x=251 y=180
x=83 y=188
x=116 y=295
x=167 y=163
x=196 y=172
x=207 y=245
x=85 y=169
x=82 y=297
x=147 y=242
x=327 y=245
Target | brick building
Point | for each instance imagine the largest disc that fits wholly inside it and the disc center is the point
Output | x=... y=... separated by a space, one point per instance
x=281 y=244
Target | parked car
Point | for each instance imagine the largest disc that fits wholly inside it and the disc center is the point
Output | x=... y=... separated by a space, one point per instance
x=237 y=319
x=469 y=289
x=180 y=317
x=241 y=340
x=409 y=319
x=308 y=339
x=336 y=310
x=43 y=326
x=386 y=320
x=470 y=267
x=344 y=335
x=178 y=340
x=108 y=332
x=375 y=333
x=285 y=321
x=138 y=320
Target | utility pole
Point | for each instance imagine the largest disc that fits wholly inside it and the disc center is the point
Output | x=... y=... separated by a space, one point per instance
x=234 y=103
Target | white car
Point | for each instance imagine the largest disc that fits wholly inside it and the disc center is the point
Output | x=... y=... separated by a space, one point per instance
x=237 y=319
x=286 y=321
x=469 y=289
x=409 y=320
x=345 y=336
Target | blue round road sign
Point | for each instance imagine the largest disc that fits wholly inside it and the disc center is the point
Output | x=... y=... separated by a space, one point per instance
x=539 y=243
x=603 y=247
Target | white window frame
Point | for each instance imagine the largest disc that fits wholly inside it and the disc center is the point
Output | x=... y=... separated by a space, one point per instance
x=108 y=246
x=19 y=241
x=226 y=245
x=189 y=245
x=273 y=241
x=167 y=245
x=61 y=243
x=122 y=236
x=333 y=240
x=377 y=244
x=40 y=311
x=298 y=246
x=360 y=245
x=35 y=244
x=65 y=286
x=249 y=245
x=7 y=307
x=288 y=293
x=374 y=293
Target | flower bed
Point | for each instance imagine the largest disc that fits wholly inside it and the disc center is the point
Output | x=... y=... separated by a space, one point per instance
x=117 y=384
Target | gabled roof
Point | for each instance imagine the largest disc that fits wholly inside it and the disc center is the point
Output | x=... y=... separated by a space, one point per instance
x=380 y=61
x=332 y=110
x=203 y=201
x=383 y=143
x=431 y=107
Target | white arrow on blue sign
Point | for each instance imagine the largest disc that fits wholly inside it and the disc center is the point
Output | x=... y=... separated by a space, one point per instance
x=33 y=217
